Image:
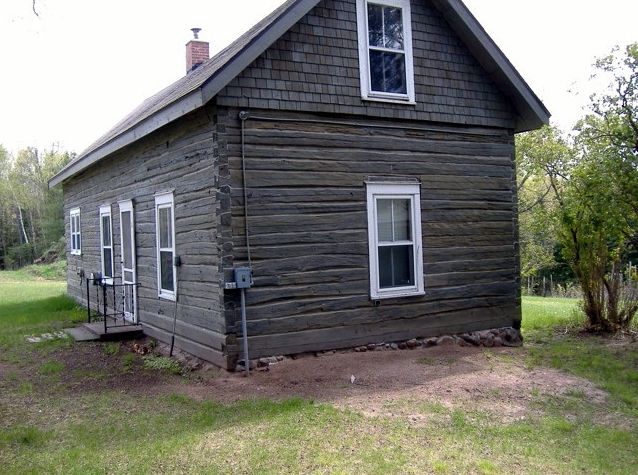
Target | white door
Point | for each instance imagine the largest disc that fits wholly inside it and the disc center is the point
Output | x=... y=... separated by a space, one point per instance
x=129 y=277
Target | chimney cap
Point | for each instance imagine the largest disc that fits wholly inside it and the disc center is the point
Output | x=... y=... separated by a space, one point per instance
x=196 y=32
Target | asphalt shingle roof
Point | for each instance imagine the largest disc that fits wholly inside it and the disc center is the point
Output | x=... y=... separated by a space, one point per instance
x=187 y=84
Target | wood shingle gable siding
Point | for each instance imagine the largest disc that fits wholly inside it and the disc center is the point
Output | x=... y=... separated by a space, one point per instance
x=314 y=67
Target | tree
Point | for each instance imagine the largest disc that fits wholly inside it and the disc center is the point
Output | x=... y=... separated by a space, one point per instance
x=537 y=153
x=31 y=216
x=597 y=196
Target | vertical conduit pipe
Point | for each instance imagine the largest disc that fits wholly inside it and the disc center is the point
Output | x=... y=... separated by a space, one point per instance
x=243 y=117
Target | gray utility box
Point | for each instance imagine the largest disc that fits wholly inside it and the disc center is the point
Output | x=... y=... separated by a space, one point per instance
x=243 y=277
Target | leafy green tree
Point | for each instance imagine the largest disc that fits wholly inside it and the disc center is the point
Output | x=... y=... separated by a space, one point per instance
x=597 y=194
x=537 y=153
x=31 y=215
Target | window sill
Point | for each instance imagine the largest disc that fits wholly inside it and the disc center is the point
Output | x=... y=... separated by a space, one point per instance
x=167 y=296
x=398 y=294
x=76 y=253
x=389 y=100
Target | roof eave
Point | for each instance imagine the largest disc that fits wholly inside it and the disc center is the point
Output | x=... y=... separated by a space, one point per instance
x=532 y=113
x=256 y=47
x=174 y=111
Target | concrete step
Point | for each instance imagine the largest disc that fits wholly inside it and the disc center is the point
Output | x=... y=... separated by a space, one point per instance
x=81 y=334
x=127 y=332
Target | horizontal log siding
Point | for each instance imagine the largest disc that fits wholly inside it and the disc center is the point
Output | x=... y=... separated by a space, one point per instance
x=179 y=157
x=308 y=232
x=314 y=67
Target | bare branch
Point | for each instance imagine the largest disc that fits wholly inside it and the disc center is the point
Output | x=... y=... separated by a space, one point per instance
x=539 y=201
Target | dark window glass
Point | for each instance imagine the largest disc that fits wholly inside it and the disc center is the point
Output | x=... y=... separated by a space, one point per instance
x=165 y=227
x=385 y=26
x=78 y=242
x=387 y=72
x=393 y=220
x=126 y=239
x=166 y=270
x=393 y=28
x=384 y=220
x=402 y=212
x=108 y=263
x=375 y=25
x=106 y=230
x=396 y=266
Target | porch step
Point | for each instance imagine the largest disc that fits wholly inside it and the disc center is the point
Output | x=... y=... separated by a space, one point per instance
x=81 y=334
x=95 y=332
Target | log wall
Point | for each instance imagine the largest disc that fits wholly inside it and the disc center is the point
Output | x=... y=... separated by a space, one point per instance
x=308 y=229
x=179 y=157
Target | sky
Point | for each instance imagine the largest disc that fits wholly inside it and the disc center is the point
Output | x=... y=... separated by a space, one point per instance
x=70 y=73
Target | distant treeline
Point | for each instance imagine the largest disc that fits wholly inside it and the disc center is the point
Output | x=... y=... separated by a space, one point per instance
x=31 y=215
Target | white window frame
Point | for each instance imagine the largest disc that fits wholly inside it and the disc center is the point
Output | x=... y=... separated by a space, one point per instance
x=106 y=211
x=394 y=190
x=76 y=232
x=165 y=200
x=364 y=53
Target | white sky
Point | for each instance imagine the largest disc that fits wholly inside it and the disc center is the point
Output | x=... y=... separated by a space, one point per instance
x=68 y=75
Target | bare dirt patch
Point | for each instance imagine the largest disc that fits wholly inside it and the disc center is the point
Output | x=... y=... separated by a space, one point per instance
x=396 y=382
x=5 y=370
x=409 y=384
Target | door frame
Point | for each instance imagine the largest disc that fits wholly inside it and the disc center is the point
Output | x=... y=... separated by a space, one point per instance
x=127 y=206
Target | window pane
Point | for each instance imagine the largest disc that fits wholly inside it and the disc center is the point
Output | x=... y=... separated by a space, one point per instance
x=106 y=230
x=375 y=25
x=79 y=242
x=384 y=220
x=108 y=265
x=165 y=227
x=387 y=72
x=401 y=213
x=128 y=276
x=166 y=270
x=396 y=266
x=393 y=28
x=126 y=239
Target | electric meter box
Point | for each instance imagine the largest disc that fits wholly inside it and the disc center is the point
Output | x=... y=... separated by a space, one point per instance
x=243 y=277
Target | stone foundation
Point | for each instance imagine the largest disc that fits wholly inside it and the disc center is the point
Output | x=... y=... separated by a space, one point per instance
x=496 y=337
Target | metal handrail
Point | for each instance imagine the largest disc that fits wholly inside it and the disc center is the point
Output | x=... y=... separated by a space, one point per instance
x=115 y=315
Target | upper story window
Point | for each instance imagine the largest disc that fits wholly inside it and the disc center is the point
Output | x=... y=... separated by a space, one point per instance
x=385 y=50
x=394 y=235
x=106 y=243
x=76 y=235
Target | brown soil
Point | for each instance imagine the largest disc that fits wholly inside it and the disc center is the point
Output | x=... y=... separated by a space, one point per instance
x=394 y=383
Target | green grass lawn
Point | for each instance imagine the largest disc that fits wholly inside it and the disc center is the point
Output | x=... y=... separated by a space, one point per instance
x=54 y=416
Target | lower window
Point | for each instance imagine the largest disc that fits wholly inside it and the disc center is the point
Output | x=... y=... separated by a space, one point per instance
x=165 y=235
x=106 y=240
x=394 y=234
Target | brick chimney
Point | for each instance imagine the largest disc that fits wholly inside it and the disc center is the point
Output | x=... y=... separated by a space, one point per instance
x=196 y=51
